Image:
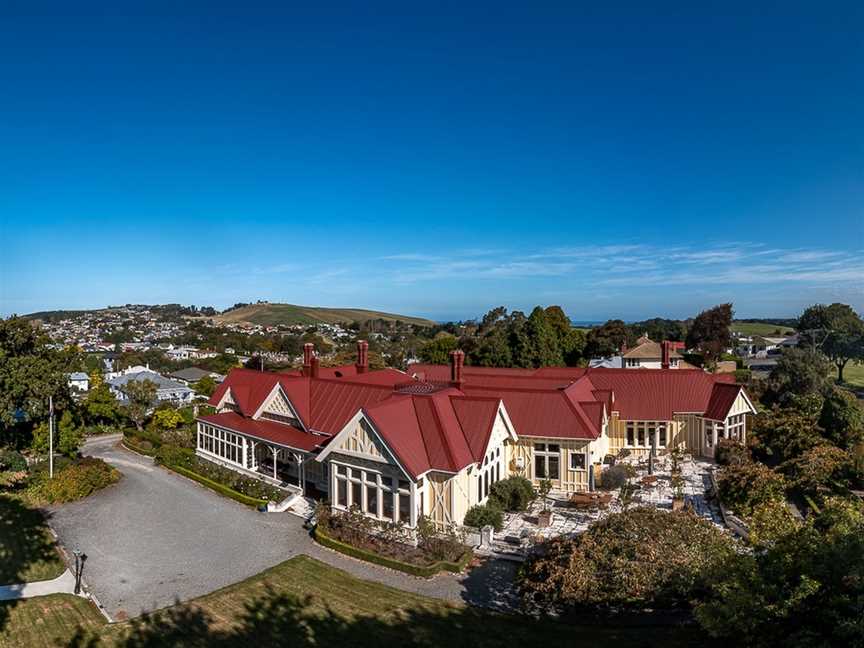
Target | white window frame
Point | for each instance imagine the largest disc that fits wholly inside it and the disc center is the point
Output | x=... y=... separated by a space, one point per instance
x=578 y=453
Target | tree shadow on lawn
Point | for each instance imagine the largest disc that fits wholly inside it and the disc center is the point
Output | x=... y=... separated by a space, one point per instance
x=26 y=548
x=280 y=619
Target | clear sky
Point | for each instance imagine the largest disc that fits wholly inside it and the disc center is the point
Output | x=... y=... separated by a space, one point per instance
x=621 y=160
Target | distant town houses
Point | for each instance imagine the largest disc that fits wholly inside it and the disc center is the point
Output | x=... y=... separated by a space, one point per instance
x=192 y=375
x=80 y=381
x=647 y=354
x=167 y=390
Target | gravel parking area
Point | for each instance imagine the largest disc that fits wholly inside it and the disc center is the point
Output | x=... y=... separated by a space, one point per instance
x=156 y=537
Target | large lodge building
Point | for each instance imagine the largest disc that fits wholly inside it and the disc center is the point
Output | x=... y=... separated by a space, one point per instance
x=431 y=441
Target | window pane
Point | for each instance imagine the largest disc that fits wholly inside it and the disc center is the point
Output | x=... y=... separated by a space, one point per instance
x=356 y=494
x=661 y=436
x=540 y=467
x=405 y=508
x=631 y=439
x=641 y=435
x=372 y=499
x=540 y=446
x=404 y=485
x=388 y=505
x=554 y=447
x=577 y=461
x=553 y=467
x=341 y=493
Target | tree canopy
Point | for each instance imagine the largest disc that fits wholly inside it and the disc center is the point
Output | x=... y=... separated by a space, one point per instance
x=837 y=330
x=711 y=333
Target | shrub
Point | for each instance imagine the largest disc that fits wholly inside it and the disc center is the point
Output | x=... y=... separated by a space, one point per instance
x=181 y=437
x=512 y=494
x=639 y=558
x=817 y=467
x=12 y=461
x=731 y=452
x=72 y=482
x=748 y=485
x=484 y=514
x=616 y=476
x=173 y=456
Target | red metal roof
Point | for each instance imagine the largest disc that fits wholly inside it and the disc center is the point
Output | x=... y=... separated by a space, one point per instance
x=723 y=397
x=278 y=433
x=443 y=431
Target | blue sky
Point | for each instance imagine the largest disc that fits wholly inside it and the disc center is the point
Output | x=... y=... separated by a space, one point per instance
x=622 y=161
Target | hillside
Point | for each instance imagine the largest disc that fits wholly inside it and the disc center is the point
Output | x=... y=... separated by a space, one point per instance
x=272 y=314
x=761 y=328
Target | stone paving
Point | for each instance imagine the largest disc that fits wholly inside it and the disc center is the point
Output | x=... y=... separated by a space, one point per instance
x=521 y=530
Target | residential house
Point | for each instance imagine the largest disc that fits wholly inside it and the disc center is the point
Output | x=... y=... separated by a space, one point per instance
x=79 y=380
x=432 y=441
x=654 y=355
x=166 y=389
x=192 y=375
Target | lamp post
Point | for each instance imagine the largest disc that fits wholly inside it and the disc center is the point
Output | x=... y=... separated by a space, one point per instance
x=79 y=563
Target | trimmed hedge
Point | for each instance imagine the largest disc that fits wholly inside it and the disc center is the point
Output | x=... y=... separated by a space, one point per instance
x=134 y=448
x=414 y=570
x=216 y=486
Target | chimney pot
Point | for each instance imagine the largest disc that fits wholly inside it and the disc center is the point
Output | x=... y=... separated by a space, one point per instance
x=362 y=356
x=457 y=360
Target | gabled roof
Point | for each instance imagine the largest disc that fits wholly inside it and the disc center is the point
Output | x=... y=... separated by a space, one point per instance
x=443 y=430
x=723 y=397
x=650 y=350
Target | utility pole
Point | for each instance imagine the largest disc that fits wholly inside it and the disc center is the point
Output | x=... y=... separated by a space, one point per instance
x=51 y=437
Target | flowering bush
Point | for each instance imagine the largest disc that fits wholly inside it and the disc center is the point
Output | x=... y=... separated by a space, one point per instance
x=74 y=481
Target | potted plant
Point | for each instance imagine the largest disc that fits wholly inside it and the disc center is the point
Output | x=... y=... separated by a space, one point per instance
x=544 y=518
x=677 y=492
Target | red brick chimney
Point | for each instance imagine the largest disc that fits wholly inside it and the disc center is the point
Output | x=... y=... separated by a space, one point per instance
x=362 y=356
x=457 y=359
x=665 y=352
x=308 y=355
x=315 y=365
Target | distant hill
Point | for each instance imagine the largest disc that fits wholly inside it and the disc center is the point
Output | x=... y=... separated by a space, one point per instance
x=762 y=328
x=268 y=314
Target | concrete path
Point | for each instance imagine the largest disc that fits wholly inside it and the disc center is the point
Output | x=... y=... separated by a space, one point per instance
x=63 y=584
x=156 y=538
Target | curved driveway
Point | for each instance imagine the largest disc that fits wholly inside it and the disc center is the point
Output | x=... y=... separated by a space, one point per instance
x=156 y=538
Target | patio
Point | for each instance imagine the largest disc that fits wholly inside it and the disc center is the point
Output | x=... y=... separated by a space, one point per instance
x=521 y=529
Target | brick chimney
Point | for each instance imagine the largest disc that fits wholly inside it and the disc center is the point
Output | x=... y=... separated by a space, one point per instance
x=362 y=356
x=308 y=355
x=316 y=363
x=457 y=359
x=665 y=353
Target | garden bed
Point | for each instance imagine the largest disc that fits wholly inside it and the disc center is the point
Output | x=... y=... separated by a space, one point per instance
x=254 y=502
x=421 y=571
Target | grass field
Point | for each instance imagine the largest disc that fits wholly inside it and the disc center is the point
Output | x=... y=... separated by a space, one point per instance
x=758 y=328
x=853 y=374
x=273 y=314
x=303 y=602
x=46 y=620
x=27 y=550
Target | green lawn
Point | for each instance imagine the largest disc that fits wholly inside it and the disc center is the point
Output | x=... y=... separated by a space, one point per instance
x=27 y=550
x=303 y=602
x=853 y=374
x=758 y=328
x=46 y=620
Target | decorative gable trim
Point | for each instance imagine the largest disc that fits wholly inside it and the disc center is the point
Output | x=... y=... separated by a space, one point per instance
x=275 y=392
x=345 y=433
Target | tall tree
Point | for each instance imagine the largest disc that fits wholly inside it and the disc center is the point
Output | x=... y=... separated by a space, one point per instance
x=30 y=372
x=571 y=341
x=798 y=372
x=710 y=332
x=606 y=340
x=544 y=340
x=141 y=395
x=837 y=330
x=437 y=351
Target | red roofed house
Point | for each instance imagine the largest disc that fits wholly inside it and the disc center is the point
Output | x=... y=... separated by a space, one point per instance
x=433 y=441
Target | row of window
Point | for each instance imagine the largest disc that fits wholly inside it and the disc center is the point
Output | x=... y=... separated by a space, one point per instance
x=221 y=443
x=547 y=460
x=375 y=494
x=280 y=418
x=644 y=434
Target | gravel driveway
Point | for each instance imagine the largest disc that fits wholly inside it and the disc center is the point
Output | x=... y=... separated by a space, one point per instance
x=156 y=538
